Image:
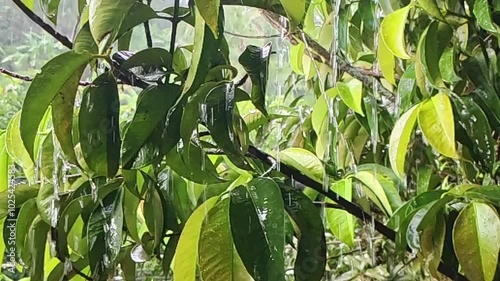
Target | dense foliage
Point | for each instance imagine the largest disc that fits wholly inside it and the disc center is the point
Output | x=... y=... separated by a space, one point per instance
x=390 y=120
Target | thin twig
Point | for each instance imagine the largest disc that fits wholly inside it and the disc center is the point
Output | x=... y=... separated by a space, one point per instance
x=252 y=36
x=27 y=11
x=147 y=30
x=29 y=78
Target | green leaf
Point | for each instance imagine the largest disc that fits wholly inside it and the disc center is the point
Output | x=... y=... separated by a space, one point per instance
x=476 y=124
x=435 y=119
x=62 y=115
x=304 y=161
x=220 y=112
x=84 y=42
x=340 y=222
x=5 y=162
x=375 y=190
x=432 y=242
x=431 y=7
x=393 y=32
x=187 y=249
x=29 y=3
x=50 y=8
x=193 y=164
x=153 y=104
x=105 y=233
x=432 y=45
x=257 y=222
x=47 y=204
x=154 y=211
x=150 y=58
x=130 y=206
x=209 y=10
x=352 y=95
x=105 y=19
x=476 y=240
x=295 y=9
x=25 y=218
x=45 y=86
x=447 y=65
x=205 y=46
x=311 y=253
x=139 y=13
x=47 y=158
x=387 y=61
x=400 y=137
x=21 y=193
x=489 y=194
x=482 y=13
x=218 y=258
x=406 y=88
x=255 y=61
x=98 y=126
x=38 y=238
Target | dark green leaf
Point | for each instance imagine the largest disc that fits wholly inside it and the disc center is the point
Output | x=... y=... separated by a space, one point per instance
x=98 y=125
x=255 y=61
x=257 y=223
x=38 y=238
x=45 y=86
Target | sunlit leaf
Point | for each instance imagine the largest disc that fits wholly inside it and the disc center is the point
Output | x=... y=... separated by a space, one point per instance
x=209 y=10
x=295 y=9
x=435 y=119
x=400 y=137
x=374 y=190
x=476 y=240
x=483 y=15
x=352 y=95
x=187 y=250
x=340 y=222
x=432 y=8
x=304 y=161
x=216 y=237
x=393 y=32
x=387 y=61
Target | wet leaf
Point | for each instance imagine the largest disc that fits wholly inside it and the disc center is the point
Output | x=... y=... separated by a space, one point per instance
x=152 y=106
x=105 y=19
x=25 y=218
x=215 y=237
x=311 y=253
x=375 y=191
x=5 y=162
x=139 y=13
x=105 y=233
x=257 y=224
x=84 y=42
x=38 y=238
x=187 y=250
x=476 y=124
x=489 y=194
x=400 y=137
x=340 y=222
x=476 y=240
x=406 y=88
x=393 y=32
x=432 y=242
x=255 y=61
x=435 y=119
x=154 y=211
x=304 y=161
x=45 y=86
x=98 y=126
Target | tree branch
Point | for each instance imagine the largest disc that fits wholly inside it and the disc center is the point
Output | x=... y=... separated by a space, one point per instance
x=252 y=36
x=29 y=78
x=322 y=55
x=36 y=19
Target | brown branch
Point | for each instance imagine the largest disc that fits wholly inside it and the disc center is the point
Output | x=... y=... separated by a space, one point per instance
x=29 y=78
x=39 y=21
x=322 y=55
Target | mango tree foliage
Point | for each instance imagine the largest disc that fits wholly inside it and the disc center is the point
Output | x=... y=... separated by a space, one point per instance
x=390 y=120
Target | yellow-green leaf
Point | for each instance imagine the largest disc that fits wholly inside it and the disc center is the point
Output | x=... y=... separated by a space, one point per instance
x=476 y=240
x=295 y=9
x=400 y=137
x=431 y=7
x=483 y=15
x=187 y=250
x=352 y=95
x=209 y=10
x=341 y=223
x=386 y=61
x=393 y=32
x=435 y=119
x=374 y=190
